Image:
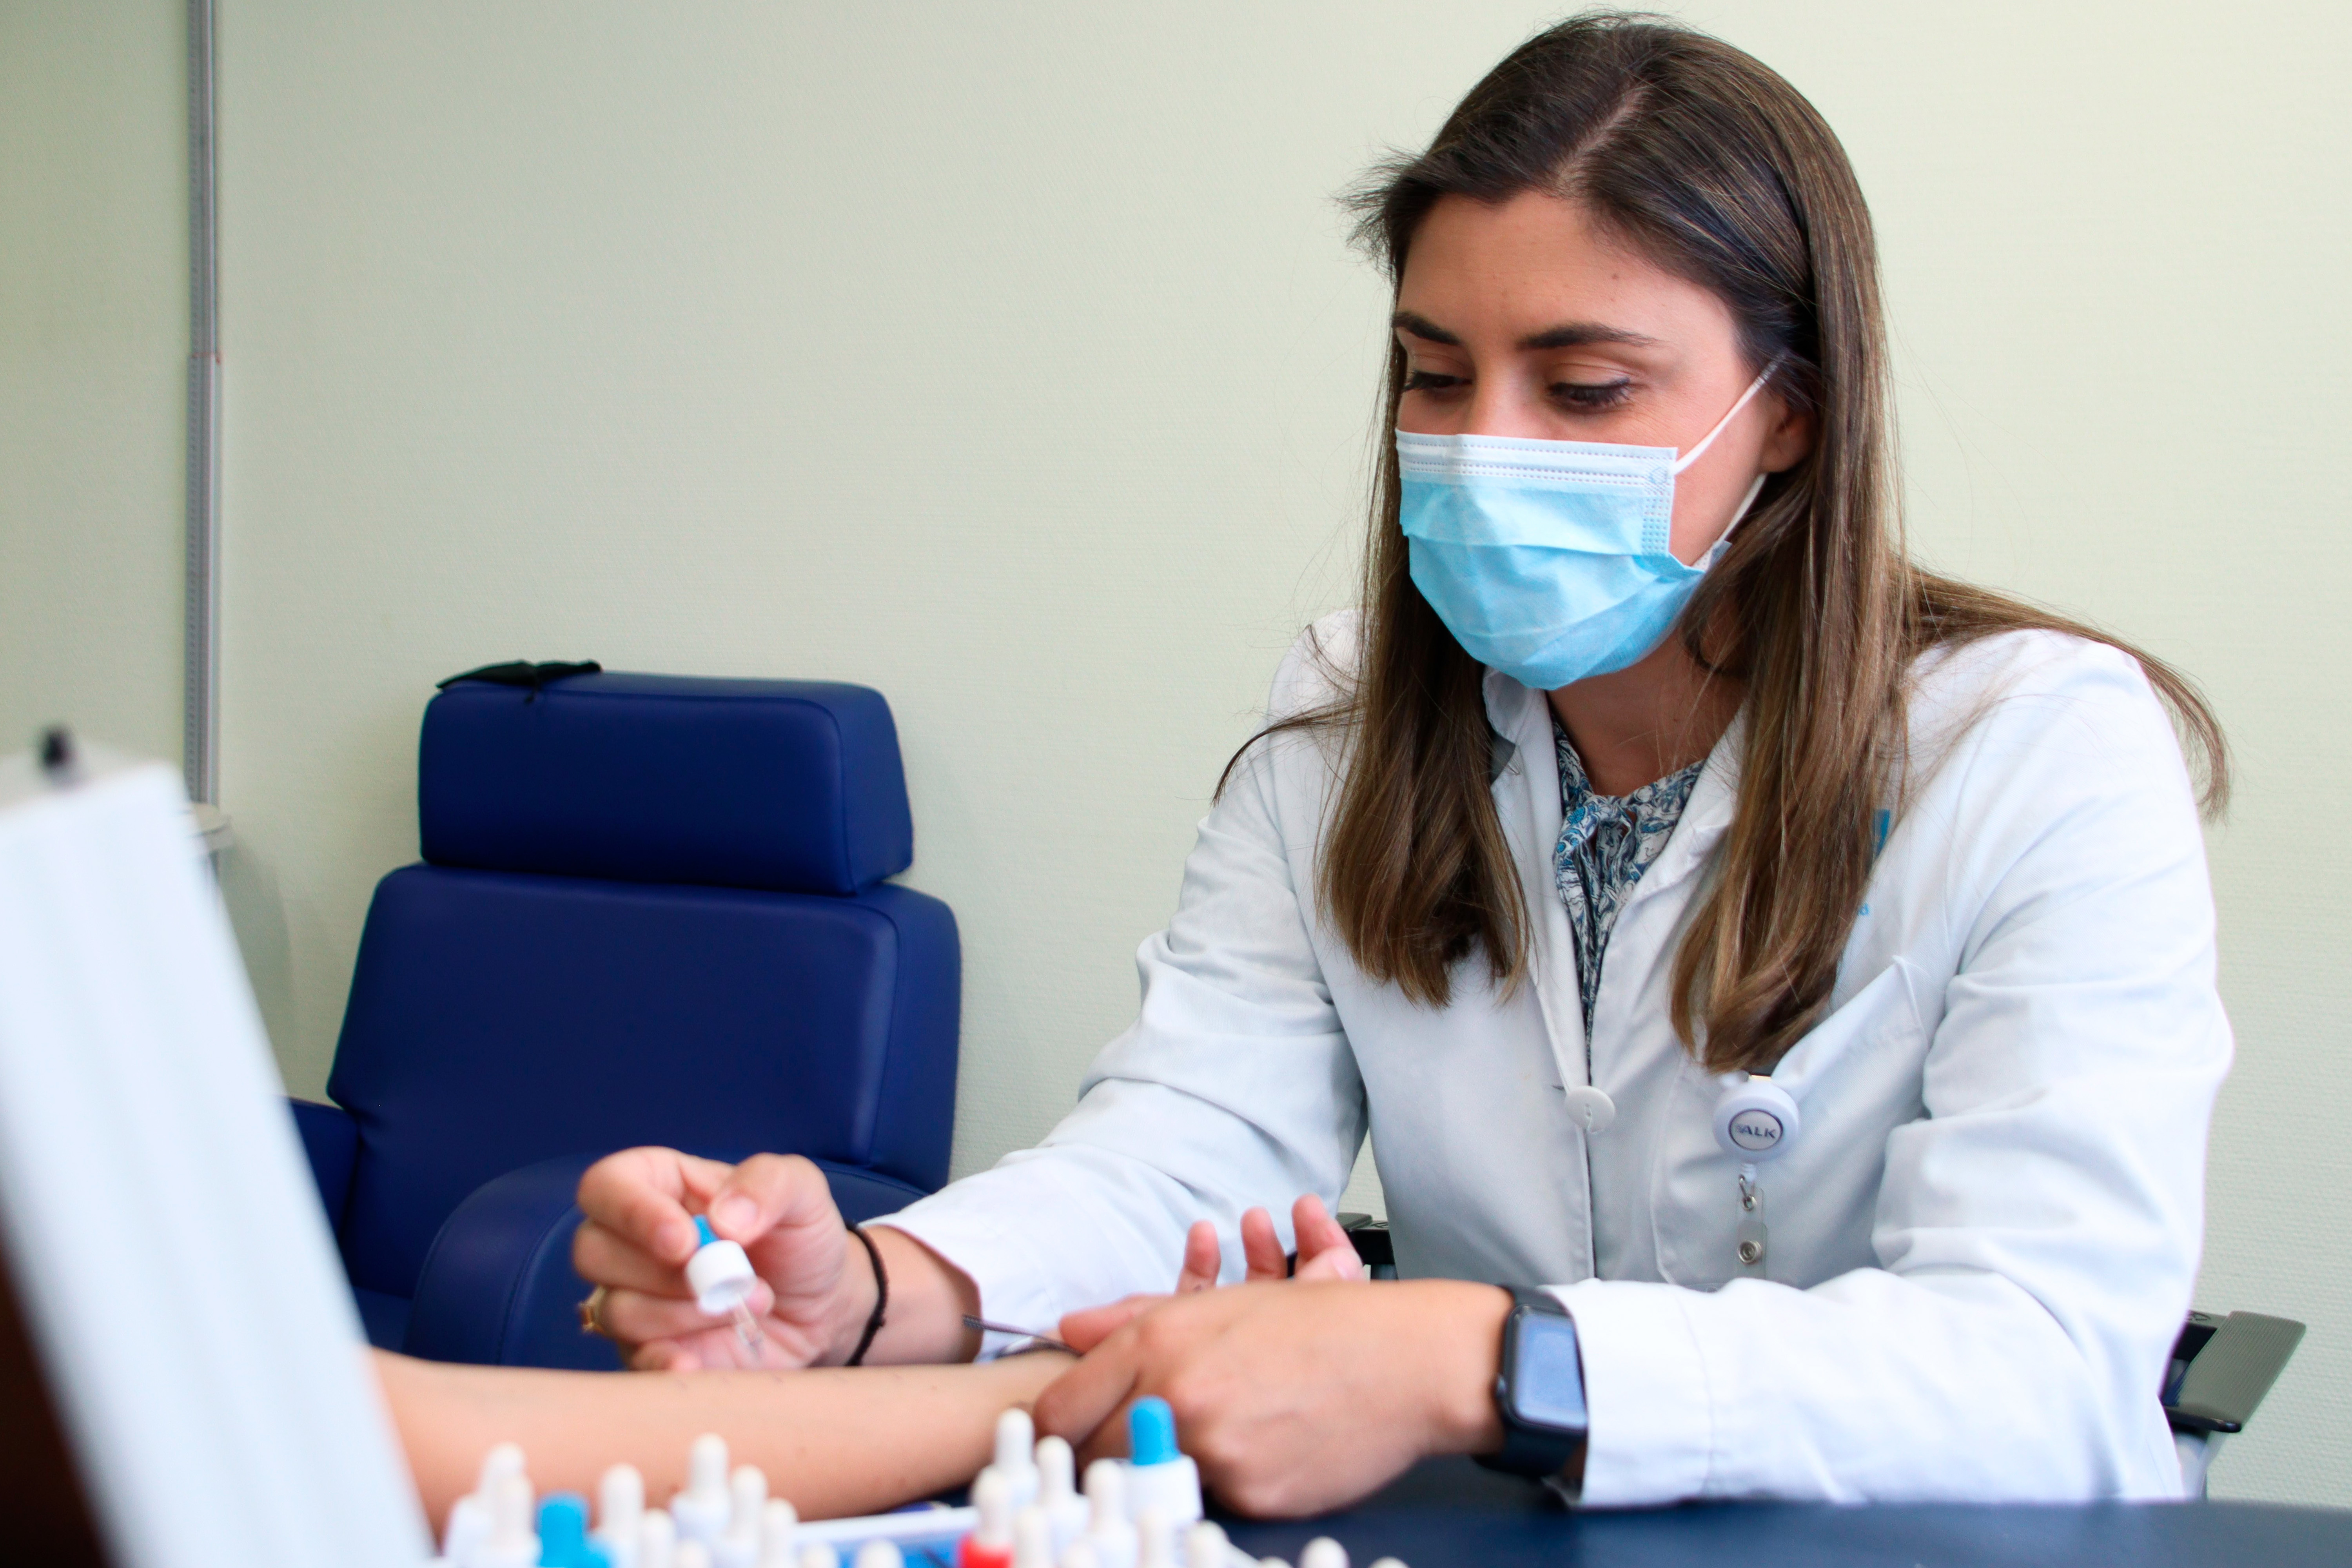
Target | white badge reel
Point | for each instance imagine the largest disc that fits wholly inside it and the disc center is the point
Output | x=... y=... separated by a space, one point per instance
x=1755 y=1120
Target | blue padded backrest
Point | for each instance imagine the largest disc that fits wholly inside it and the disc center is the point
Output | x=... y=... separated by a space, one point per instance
x=790 y=785
x=498 y=1019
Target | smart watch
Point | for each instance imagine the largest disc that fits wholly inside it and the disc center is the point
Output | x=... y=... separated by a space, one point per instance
x=1539 y=1393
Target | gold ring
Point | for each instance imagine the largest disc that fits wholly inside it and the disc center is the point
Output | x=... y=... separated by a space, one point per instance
x=592 y=1314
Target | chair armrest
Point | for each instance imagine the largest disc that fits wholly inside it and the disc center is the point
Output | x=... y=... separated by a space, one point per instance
x=498 y=1287
x=330 y=1138
x=2224 y=1367
x=862 y=1195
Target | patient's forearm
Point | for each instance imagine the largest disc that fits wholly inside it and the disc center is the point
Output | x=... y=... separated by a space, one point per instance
x=834 y=1442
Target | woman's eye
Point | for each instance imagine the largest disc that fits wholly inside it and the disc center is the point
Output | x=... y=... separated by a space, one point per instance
x=1590 y=394
x=1431 y=381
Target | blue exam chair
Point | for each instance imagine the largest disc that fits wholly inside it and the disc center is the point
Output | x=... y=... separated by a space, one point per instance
x=651 y=910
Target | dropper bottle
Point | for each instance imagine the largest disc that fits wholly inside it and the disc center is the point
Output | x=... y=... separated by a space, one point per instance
x=721 y=1277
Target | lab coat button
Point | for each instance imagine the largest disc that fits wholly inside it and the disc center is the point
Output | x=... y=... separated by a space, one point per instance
x=1589 y=1109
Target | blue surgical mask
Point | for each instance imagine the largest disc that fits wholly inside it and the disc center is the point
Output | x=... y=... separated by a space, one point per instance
x=1549 y=559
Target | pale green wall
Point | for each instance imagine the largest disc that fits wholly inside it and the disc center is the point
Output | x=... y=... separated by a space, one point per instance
x=93 y=346
x=1008 y=358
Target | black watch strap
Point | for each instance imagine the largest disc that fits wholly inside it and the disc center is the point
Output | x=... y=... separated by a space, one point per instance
x=1555 y=1453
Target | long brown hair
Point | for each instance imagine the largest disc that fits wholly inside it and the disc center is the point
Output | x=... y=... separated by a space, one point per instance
x=1719 y=171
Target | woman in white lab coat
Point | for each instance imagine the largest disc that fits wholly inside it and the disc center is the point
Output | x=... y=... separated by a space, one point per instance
x=1648 y=764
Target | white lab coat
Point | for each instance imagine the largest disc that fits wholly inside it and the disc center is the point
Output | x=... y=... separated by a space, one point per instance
x=1983 y=1241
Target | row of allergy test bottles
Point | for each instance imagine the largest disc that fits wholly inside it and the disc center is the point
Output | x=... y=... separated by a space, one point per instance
x=1143 y=1512
x=717 y=1520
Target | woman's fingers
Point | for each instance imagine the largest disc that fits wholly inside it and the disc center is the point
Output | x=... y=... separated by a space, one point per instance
x=662 y=1355
x=767 y=1191
x=1325 y=1251
x=1204 y=1261
x=604 y=1257
x=1263 y=1256
x=1082 y=1331
x=641 y=1196
x=1339 y=1264
x=639 y=1231
x=635 y=1317
x=1204 y=1258
x=1076 y=1404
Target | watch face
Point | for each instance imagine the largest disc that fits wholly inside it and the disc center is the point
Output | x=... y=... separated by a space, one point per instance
x=1547 y=1378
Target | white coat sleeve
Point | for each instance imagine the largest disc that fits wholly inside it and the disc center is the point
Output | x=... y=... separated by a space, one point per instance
x=2037 y=1227
x=1234 y=1087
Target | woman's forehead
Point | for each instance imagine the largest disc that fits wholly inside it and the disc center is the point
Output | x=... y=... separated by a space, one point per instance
x=1537 y=264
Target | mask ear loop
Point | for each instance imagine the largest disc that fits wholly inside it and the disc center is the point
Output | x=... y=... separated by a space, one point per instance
x=1738 y=516
x=1696 y=453
x=1723 y=541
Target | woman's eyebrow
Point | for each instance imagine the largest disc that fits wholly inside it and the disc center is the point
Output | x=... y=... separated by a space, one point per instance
x=1421 y=327
x=1575 y=334
x=1566 y=335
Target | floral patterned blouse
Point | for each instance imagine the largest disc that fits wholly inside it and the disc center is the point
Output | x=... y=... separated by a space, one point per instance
x=1606 y=842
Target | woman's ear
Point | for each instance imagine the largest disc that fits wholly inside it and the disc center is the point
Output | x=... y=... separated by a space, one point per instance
x=1791 y=439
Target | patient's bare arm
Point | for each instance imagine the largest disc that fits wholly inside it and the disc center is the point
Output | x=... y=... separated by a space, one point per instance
x=834 y=1442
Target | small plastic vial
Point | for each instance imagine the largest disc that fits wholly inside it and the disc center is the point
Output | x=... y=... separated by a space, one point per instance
x=1016 y=1458
x=1057 y=1492
x=703 y=1508
x=1160 y=1477
x=1109 y=1531
x=720 y=1275
x=1205 y=1546
x=739 y=1547
x=656 y=1540
x=990 y=1544
x=620 y=1514
x=779 y=1524
x=1033 y=1539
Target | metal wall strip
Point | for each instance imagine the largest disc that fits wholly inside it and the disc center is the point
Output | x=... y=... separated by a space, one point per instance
x=201 y=694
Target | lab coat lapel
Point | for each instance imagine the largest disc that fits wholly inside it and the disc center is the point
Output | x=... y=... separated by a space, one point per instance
x=1706 y=818
x=1526 y=798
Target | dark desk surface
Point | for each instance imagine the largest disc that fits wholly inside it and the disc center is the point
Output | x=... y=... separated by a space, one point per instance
x=1450 y=1512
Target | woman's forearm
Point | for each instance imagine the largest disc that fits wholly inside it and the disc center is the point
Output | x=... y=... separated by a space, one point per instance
x=834 y=1442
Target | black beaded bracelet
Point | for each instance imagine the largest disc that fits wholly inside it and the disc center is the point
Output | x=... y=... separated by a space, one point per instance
x=881 y=1299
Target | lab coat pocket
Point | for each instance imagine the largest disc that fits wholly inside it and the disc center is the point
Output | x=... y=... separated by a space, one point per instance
x=1855 y=1077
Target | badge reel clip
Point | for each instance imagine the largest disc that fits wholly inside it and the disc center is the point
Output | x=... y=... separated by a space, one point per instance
x=1755 y=1120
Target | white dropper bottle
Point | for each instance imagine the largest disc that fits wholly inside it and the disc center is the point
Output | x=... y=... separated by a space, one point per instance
x=469 y=1516
x=720 y=1275
x=1016 y=1458
x=746 y=1493
x=1057 y=1492
x=658 y=1540
x=620 y=1514
x=702 y=1508
x=513 y=1542
x=1108 y=1530
x=780 y=1528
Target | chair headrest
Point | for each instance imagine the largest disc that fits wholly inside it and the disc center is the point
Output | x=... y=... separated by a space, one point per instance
x=789 y=785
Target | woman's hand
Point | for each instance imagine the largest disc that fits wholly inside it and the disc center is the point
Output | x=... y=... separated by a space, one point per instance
x=1304 y=1397
x=817 y=1288
x=639 y=1232
x=1324 y=1253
